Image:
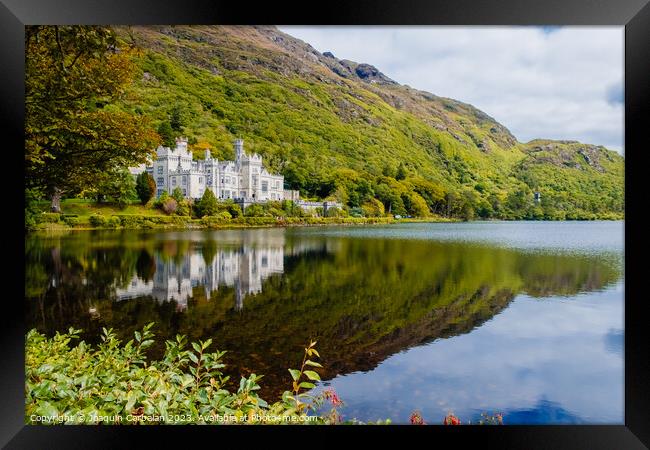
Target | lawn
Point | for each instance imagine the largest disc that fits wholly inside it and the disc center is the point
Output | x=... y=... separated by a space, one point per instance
x=85 y=208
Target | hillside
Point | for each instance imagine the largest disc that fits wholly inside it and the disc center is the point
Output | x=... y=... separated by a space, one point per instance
x=342 y=129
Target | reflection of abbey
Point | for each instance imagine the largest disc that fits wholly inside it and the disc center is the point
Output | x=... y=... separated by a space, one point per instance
x=243 y=268
x=241 y=264
x=244 y=180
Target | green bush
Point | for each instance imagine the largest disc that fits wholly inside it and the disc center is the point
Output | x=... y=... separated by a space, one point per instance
x=50 y=217
x=97 y=220
x=114 y=383
x=70 y=220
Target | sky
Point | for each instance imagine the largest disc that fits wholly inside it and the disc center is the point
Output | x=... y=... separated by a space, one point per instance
x=539 y=82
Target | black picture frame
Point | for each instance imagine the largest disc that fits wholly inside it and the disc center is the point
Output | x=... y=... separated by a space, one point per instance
x=634 y=15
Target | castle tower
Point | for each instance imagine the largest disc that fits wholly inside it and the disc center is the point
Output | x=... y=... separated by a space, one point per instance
x=239 y=150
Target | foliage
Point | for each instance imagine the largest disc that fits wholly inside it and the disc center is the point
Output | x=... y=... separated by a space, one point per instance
x=208 y=206
x=169 y=205
x=72 y=133
x=114 y=383
x=166 y=134
x=177 y=194
x=118 y=187
x=145 y=186
x=457 y=159
x=255 y=210
x=94 y=96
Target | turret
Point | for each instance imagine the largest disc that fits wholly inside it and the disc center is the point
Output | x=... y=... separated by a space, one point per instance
x=239 y=149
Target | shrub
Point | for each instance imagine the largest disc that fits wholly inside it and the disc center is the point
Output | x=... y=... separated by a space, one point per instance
x=207 y=206
x=254 y=210
x=70 y=220
x=177 y=194
x=50 y=217
x=145 y=186
x=97 y=220
x=169 y=205
x=113 y=222
x=82 y=384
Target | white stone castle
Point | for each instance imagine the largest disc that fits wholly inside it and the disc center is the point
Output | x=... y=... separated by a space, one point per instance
x=244 y=180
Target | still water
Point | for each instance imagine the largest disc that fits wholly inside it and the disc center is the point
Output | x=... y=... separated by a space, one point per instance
x=521 y=318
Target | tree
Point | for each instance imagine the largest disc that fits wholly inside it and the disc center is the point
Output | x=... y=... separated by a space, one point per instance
x=208 y=205
x=118 y=186
x=401 y=172
x=145 y=186
x=415 y=205
x=177 y=119
x=177 y=194
x=254 y=210
x=71 y=73
x=373 y=208
x=166 y=134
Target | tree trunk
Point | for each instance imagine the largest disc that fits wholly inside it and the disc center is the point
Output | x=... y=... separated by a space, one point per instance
x=56 y=200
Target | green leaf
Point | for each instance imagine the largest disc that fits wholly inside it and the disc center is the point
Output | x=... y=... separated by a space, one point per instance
x=312 y=375
x=206 y=344
x=307 y=385
x=193 y=357
x=196 y=347
x=295 y=374
x=48 y=410
x=312 y=363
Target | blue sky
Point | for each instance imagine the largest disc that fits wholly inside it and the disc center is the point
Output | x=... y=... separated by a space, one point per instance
x=540 y=82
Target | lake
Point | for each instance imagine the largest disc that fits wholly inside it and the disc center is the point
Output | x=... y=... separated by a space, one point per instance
x=521 y=318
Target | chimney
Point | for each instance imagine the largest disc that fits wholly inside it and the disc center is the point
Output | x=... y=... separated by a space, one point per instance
x=207 y=154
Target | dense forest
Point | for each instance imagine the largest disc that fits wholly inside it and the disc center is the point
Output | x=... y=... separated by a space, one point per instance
x=338 y=129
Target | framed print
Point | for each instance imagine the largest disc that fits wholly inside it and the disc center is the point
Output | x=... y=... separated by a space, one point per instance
x=379 y=215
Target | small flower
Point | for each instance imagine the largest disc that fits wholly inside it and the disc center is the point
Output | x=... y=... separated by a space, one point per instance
x=451 y=420
x=332 y=397
x=416 y=418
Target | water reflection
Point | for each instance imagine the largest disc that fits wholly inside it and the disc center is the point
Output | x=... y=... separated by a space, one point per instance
x=243 y=268
x=261 y=294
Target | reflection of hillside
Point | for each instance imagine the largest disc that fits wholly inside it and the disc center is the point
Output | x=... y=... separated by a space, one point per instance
x=363 y=300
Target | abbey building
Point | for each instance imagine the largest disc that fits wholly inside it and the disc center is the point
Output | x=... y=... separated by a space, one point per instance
x=243 y=179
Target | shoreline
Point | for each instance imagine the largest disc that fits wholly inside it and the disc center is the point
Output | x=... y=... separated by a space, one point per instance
x=180 y=223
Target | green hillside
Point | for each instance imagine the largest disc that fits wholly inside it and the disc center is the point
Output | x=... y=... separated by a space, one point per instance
x=339 y=129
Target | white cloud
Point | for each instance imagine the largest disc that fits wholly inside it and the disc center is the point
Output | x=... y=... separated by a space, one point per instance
x=560 y=83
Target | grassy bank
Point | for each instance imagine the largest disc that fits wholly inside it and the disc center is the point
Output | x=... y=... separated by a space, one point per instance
x=81 y=214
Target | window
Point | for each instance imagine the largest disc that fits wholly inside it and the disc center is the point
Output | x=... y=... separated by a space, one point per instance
x=161 y=181
x=185 y=192
x=265 y=186
x=200 y=179
x=242 y=194
x=227 y=179
x=184 y=179
x=173 y=181
x=160 y=170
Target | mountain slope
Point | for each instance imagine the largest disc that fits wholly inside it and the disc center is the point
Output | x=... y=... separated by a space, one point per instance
x=343 y=129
